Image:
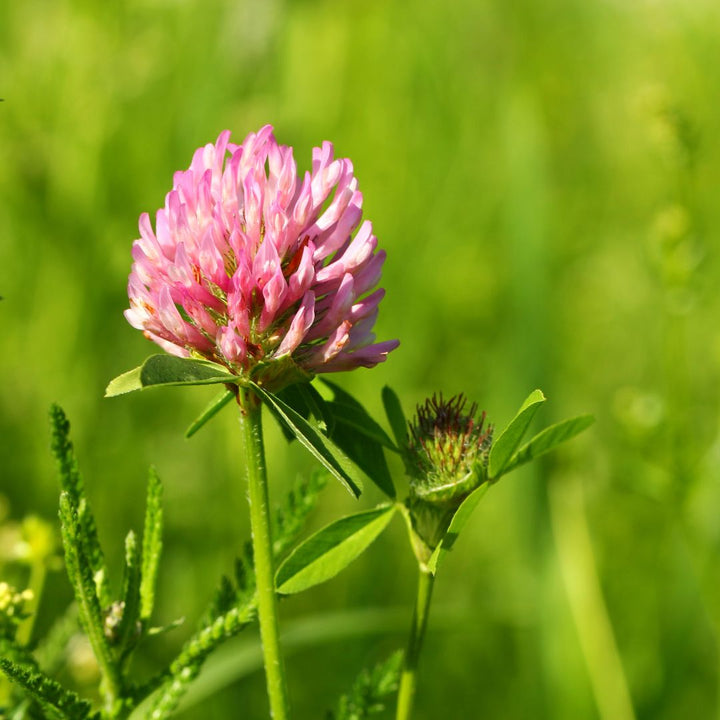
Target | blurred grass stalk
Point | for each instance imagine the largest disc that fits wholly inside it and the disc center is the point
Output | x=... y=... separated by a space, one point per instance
x=579 y=572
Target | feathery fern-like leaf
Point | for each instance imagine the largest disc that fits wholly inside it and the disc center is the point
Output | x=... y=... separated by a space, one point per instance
x=80 y=573
x=151 y=546
x=291 y=516
x=55 y=701
x=185 y=668
x=370 y=687
x=72 y=483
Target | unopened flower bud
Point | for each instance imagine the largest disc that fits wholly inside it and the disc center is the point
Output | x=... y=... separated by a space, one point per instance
x=448 y=450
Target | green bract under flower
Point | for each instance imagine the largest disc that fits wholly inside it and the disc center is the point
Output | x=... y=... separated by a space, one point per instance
x=448 y=450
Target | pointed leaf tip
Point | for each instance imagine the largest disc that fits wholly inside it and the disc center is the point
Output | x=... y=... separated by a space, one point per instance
x=395 y=416
x=509 y=440
x=127 y=382
x=169 y=370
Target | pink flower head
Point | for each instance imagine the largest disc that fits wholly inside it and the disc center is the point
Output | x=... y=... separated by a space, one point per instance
x=249 y=264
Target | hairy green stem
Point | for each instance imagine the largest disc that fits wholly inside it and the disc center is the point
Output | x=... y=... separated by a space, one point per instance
x=408 y=680
x=262 y=552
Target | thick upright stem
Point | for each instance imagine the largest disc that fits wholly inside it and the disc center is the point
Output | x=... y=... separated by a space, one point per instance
x=262 y=553
x=408 y=680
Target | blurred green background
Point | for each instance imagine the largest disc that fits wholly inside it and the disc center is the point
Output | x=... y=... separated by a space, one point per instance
x=544 y=176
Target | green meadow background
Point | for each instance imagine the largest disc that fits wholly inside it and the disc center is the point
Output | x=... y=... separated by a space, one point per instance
x=545 y=178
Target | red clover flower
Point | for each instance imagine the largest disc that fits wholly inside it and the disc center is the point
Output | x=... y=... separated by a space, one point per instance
x=248 y=264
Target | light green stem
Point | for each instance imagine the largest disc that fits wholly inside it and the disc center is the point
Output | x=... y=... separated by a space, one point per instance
x=408 y=680
x=262 y=553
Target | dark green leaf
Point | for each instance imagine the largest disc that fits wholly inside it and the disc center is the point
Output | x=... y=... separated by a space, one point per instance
x=360 y=437
x=330 y=550
x=507 y=443
x=169 y=370
x=322 y=448
x=395 y=416
x=348 y=426
x=210 y=411
x=367 y=454
x=461 y=516
x=346 y=409
x=548 y=439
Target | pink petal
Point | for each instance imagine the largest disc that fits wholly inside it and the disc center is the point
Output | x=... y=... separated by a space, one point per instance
x=301 y=323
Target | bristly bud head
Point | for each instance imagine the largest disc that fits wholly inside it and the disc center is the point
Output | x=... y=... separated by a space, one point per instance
x=449 y=448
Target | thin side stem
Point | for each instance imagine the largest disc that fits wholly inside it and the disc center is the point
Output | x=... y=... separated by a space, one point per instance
x=262 y=552
x=408 y=680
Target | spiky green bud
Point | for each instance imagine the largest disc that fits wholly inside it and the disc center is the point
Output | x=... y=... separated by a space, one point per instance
x=448 y=450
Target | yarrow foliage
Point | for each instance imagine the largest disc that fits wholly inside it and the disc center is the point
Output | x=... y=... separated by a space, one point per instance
x=249 y=264
x=448 y=449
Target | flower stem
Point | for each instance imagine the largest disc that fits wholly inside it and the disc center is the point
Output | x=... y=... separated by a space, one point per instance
x=408 y=680
x=251 y=421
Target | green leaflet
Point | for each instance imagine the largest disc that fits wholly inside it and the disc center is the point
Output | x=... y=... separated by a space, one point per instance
x=348 y=425
x=461 y=516
x=395 y=416
x=169 y=370
x=330 y=550
x=366 y=454
x=321 y=447
x=360 y=437
x=346 y=409
x=507 y=443
x=549 y=439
